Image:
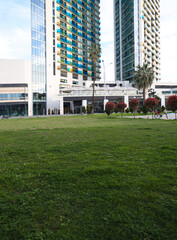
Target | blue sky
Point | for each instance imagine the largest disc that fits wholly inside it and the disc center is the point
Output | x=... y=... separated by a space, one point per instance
x=15 y=34
x=15 y=29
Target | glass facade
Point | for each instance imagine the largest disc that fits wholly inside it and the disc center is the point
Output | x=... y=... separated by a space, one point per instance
x=124 y=30
x=14 y=109
x=137 y=36
x=38 y=33
x=13 y=96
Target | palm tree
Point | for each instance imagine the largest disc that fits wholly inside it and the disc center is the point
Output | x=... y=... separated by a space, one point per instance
x=94 y=53
x=143 y=78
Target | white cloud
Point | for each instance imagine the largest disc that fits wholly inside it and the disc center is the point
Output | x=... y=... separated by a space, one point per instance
x=14 y=13
x=15 y=29
x=168 y=40
x=107 y=21
x=107 y=38
x=15 y=45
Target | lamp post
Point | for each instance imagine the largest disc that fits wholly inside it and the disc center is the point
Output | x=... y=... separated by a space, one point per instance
x=104 y=77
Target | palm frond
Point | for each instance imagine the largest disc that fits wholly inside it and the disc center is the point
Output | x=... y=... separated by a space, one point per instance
x=144 y=76
x=94 y=53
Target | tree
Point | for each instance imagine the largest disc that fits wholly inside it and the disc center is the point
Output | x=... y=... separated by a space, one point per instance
x=151 y=103
x=89 y=109
x=94 y=54
x=84 y=110
x=143 y=78
x=145 y=109
x=151 y=92
x=109 y=108
x=172 y=103
x=121 y=107
x=127 y=110
x=134 y=103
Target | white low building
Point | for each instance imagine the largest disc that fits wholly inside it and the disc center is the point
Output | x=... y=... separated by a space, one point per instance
x=15 y=87
x=16 y=92
x=164 y=90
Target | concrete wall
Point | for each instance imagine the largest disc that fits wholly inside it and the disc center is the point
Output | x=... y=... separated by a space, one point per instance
x=17 y=71
x=13 y=71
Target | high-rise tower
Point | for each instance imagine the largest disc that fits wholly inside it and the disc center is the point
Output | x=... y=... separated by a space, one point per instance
x=137 y=37
x=78 y=27
x=38 y=35
x=63 y=31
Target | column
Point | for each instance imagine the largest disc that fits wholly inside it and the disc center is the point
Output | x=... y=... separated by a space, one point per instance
x=126 y=100
x=105 y=101
x=30 y=93
x=84 y=103
x=30 y=106
x=72 y=107
x=61 y=105
x=162 y=100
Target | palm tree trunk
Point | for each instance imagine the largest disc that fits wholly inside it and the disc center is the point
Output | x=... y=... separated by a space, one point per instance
x=144 y=95
x=93 y=95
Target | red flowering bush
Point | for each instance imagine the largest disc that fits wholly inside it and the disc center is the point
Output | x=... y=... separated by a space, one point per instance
x=134 y=104
x=151 y=103
x=109 y=108
x=121 y=107
x=172 y=103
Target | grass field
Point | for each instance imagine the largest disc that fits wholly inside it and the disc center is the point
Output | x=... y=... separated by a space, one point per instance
x=88 y=178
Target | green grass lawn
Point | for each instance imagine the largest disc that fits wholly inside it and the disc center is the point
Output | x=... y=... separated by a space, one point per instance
x=88 y=178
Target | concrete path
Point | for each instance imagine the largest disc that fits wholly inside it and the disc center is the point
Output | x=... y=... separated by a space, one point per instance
x=171 y=116
x=41 y=116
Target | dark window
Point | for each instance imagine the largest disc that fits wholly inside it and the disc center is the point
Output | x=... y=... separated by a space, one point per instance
x=54 y=72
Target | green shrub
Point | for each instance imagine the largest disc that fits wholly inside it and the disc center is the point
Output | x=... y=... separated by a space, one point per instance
x=159 y=110
x=83 y=110
x=145 y=109
x=89 y=109
x=131 y=110
x=127 y=110
x=139 y=111
x=116 y=110
x=163 y=108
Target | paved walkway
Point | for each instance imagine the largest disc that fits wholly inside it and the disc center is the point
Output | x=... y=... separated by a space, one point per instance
x=41 y=116
x=171 y=116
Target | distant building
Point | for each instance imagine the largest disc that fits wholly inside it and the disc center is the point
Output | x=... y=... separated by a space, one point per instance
x=137 y=37
x=16 y=92
x=58 y=79
x=15 y=87
x=164 y=90
x=63 y=31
